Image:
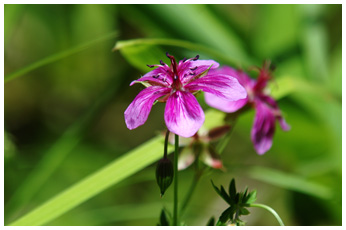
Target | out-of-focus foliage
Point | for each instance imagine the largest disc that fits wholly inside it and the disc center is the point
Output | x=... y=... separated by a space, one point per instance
x=64 y=120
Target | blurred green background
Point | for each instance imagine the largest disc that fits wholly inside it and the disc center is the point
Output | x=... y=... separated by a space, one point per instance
x=64 y=120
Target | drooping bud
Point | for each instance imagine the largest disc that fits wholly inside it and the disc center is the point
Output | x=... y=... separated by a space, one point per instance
x=164 y=174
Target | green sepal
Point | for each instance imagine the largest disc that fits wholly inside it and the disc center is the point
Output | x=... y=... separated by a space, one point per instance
x=251 y=197
x=164 y=174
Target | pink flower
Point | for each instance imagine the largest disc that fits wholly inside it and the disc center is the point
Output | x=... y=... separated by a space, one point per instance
x=267 y=110
x=175 y=85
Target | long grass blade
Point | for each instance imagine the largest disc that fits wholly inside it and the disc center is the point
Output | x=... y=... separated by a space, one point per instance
x=57 y=57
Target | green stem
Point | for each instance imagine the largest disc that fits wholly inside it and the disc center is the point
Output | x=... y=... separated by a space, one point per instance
x=166 y=144
x=272 y=211
x=175 y=203
x=188 y=196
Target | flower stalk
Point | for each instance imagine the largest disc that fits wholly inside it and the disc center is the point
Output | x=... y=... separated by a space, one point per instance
x=175 y=166
x=272 y=211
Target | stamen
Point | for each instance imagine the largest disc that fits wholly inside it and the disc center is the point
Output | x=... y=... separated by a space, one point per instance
x=173 y=64
x=184 y=60
x=150 y=66
x=156 y=76
x=194 y=68
x=162 y=63
x=195 y=58
x=192 y=73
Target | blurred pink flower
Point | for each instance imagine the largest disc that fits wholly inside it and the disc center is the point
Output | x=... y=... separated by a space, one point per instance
x=199 y=146
x=267 y=110
x=175 y=85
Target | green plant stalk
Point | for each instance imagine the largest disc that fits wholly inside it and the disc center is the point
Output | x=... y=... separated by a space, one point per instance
x=58 y=56
x=175 y=166
x=192 y=188
x=272 y=211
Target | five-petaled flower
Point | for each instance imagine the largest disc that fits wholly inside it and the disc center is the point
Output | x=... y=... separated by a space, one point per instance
x=175 y=85
x=267 y=110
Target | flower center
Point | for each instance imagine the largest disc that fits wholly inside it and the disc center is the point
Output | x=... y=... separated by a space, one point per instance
x=176 y=81
x=264 y=77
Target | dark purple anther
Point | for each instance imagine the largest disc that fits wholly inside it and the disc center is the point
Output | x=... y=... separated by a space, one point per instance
x=195 y=58
x=150 y=66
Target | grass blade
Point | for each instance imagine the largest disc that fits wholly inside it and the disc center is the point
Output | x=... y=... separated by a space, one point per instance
x=56 y=57
x=97 y=182
x=290 y=181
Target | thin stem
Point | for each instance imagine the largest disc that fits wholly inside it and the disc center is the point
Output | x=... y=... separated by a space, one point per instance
x=272 y=211
x=225 y=140
x=166 y=145
x=188 y=196
x=175 y=203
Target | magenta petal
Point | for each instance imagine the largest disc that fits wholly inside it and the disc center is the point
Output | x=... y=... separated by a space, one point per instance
x=183 y=115
x=263 y=128
x=138 y=111
x=241 y=76
x=222 y=86
x=223 y=104
x=271 y=102
x=189 y=69
x=158 y=76
x=283 y=124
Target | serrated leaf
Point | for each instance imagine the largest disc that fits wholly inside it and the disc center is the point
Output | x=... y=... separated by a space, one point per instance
x=244 y=196
x=221 y=193
x=244 y=211
x=219 y=223
x=251 y=197
x=225 y=195
x=226 y=215
x=232 y=189
x=211 y=221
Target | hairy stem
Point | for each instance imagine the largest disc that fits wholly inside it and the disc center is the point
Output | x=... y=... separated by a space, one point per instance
x=272 y=211
x=175 y=202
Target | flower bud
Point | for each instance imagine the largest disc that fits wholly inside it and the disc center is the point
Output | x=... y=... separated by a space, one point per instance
x=164 y=174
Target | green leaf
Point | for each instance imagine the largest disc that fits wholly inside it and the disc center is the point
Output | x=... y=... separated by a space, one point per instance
x=222 y=193
x=136 y=51
x=251 y=197
x=232 y=189
x=200 y=16
x=276 y=29
x=244 y=211
x=290 y=181
x=57 y=57
x=226 y=215
x=109 y=175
